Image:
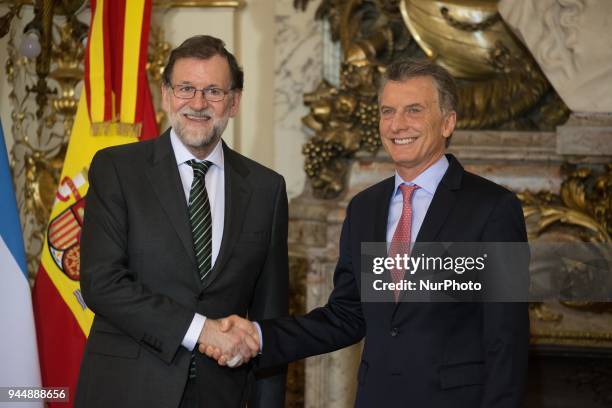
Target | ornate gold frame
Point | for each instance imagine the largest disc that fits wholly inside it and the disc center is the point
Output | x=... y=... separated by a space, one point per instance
x=584 y=209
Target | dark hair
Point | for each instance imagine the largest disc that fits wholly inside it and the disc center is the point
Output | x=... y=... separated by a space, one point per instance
x=408 y=68
x=204 y=47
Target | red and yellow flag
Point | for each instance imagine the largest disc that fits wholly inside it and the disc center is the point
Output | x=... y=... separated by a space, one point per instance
x=115 y=108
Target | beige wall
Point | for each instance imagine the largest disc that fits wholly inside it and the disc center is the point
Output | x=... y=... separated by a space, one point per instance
x=255 y=31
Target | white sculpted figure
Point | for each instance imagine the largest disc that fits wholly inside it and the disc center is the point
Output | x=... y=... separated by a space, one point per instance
x=572 y=42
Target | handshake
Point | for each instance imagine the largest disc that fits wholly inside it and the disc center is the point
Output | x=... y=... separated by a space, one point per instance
x=232 y=341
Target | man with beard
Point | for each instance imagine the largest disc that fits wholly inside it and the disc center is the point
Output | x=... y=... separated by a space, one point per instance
x=180 y=231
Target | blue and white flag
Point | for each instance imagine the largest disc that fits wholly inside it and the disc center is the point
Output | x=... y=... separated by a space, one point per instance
x=18 y=352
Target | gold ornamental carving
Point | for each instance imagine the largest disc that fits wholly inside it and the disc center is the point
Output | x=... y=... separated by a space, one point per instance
x=581 y=212
x=500 y=85
x=584 y=202
x=159 y=51
x=43 y=100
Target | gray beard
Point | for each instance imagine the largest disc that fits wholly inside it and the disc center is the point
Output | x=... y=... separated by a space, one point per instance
x=196 y=141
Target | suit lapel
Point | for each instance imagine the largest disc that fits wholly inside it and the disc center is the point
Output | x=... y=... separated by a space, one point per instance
x=237 y=195
x=443 y=201
x=166 y=182
x=441 y=205
x=380 y=200
x=381 y=207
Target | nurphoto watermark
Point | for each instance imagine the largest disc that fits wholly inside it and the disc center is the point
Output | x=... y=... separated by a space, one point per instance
x=485 y=272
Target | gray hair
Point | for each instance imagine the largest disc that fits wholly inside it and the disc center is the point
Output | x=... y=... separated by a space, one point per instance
x=407 y=68
x=204 y=47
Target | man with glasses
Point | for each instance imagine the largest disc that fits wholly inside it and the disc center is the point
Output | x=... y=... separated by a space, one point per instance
x=178 y=232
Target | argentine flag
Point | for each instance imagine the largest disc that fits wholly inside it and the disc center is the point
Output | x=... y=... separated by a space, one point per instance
x=18 y=353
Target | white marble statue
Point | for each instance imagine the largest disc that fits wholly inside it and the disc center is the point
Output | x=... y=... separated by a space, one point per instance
x=572 y=42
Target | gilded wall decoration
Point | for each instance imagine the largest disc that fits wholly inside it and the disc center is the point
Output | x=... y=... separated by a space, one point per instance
x=500 y=86
x=43 y=100
x=581 y=212
x=159 y=51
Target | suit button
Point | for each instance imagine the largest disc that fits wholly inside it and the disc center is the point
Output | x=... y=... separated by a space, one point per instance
x=201 y=296
x=394 y=332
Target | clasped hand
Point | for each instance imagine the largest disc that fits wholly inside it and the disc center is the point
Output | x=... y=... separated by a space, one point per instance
x=231 y=341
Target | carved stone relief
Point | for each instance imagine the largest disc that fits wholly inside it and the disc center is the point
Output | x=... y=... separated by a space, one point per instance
x=570 y=40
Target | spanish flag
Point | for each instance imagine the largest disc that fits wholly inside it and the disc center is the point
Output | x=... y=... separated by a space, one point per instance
x=115 y=108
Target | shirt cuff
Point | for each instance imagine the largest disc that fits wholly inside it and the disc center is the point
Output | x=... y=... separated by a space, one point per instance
x=260 y=336
x=193 y=332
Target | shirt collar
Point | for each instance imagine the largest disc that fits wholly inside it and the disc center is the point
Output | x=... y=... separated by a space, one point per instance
x=182 y=154
x=427 y=180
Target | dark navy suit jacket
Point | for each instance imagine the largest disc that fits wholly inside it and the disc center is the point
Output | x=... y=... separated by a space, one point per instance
x=431 y=355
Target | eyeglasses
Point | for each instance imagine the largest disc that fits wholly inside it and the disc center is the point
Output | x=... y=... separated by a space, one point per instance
x=188 y=92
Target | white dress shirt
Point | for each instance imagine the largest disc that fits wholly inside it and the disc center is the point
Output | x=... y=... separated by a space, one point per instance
x=215 y=187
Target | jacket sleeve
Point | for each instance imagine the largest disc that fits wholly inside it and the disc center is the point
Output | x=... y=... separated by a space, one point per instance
x=270 y=301
x=336 y=325
x=109 y=287
x=506 y=325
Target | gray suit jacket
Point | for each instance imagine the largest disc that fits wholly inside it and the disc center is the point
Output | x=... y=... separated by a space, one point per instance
x=139 y=276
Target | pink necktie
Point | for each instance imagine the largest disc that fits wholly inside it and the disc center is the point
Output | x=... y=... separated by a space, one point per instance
x=400 y=244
